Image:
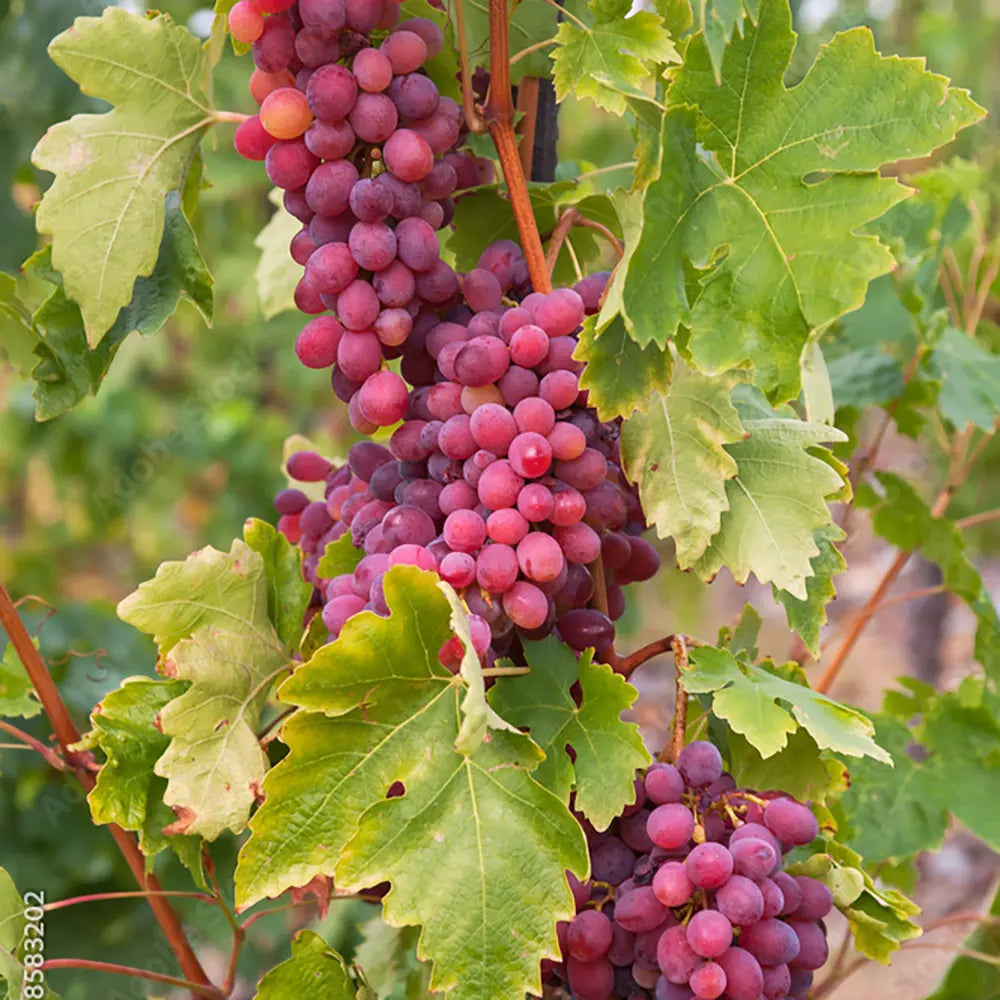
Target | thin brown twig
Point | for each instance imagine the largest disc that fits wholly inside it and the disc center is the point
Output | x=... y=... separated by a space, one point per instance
x=472 y=116
x=983 y=517
x=67 y=734
x=500 y=119
x=527 y=105
x=273 y=724
x=558 y=237
x=599 y=227
x=518 y=56
x=647 y=652
x=599 y=601
x=97 y=897
x=681 y=665
x=198 y=989
x=30 y=743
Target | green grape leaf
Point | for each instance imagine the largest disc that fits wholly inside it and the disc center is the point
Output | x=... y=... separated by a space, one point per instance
x=675 y=453
x=606 y=60
x=68 y=370
x=17 y=694
x=762 y=189
x=16 y=337
x=620 y=374
x=910 y=792
x=340 y=557
x=717 y=20
x=314 y=970
x=800 y=769
x=880 y=919
x=127 y=791
x=287 y=593
x=376 y=708
x=213 y=589
x=608 y=749
x=807 y=617
x=277 y=272
x=104 y=210
x=753 y=700
x=970 y=381
x=970 y=977
x=531 y=22
x=388 y=956
x=209 y=616
x=903 y=519
x=777 y=501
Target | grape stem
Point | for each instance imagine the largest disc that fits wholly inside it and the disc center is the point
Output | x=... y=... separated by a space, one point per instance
x=472 y=116
x=558 y=237
x=599 y=602
x=67 y=734
x=647 y=652
x=98 y=897
x=499 y=115
x=30 y=743
x=127 y=970
x=230 y=117
x=681 y=665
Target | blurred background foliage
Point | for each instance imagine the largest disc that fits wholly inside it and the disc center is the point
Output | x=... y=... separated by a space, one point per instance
x=184 y=441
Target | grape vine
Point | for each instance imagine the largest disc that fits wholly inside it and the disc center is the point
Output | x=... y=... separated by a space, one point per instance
x=411 y=691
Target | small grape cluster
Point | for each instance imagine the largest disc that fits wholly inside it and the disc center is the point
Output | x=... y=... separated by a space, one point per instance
x=687 y=899
x=364 y=147
x=498 y=477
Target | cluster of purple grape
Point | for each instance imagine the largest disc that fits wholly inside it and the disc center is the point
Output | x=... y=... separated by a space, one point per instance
x=498 y=477
x=363 y=145
x=687 y=899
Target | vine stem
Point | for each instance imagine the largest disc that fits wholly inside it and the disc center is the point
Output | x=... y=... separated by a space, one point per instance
x=472 y=116
x=599 y=601
x=558 y=237
x=30 y=743
x=127 y=970
x=67 y=734
x=500 y=120
x=681 y=664
x=647 y=652
x=983 y=517
x=232 y=117
x=97 y=897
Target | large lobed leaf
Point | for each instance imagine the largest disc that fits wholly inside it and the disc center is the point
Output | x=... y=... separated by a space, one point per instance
x=777 y=501
x=970 y=381
x=607 y=750
x=65 y=369
x=762 y=189
x=127 y=791
x=766 y=707
x=105 y=208
x=611 y=57
x=210 y=617
x=675 y=452
x=376 y=708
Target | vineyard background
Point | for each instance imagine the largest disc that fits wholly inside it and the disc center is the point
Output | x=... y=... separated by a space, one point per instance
x=184 y=442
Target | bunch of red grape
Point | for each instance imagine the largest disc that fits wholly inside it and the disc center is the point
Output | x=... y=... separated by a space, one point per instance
x=687 y=899
x=498 y=477
x=363 y=145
